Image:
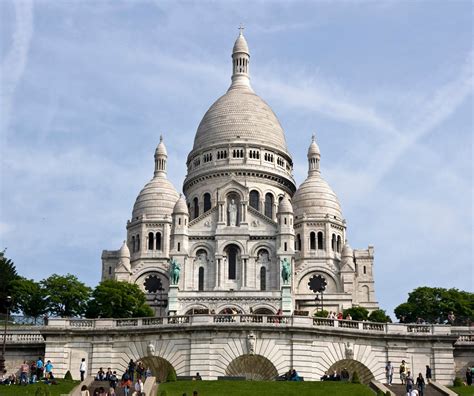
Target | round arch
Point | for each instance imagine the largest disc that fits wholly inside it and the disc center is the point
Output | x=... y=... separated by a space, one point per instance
x=353 y=366
x=263 y=311
x=262 y=245
x=309 y=271
x=239 y=244
x=252 y=367
x=160 y=368
x=233 y=189
x=220 y=309
x=141 y=277
x=201 y=245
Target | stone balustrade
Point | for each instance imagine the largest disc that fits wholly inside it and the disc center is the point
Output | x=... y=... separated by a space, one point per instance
x=24 y=338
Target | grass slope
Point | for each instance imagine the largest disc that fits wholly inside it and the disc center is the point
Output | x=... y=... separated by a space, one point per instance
x=263 y=388
x=62 y=388
x=463 y=390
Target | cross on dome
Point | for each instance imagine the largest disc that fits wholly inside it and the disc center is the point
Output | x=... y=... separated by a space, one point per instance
x=241 y=30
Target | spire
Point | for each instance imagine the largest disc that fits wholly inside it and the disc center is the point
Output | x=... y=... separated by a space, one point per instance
x=161 y=156
x=314 y=157
x=240 y=63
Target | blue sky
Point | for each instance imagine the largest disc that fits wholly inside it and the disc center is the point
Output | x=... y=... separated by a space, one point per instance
x=88 y=87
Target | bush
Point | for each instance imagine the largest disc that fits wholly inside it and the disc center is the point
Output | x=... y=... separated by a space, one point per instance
x=171 y=377
x=68 y=376
x=458 y=382
x=163 y=393
x=355 y=378
x=321 y=314
x=379 y=316
x=357 y=313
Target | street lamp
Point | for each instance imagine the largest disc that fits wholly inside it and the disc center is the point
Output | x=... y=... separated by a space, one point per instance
x=7 y=303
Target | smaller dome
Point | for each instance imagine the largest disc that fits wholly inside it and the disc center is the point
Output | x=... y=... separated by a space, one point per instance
x=161 y=148
x=240 y=45
x=313 y=148
x=285 y=205
x=124 y=252
x=156 y=199
x=181 y=207
x=347 y=250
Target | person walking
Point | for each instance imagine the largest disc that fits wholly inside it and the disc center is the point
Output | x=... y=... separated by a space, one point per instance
x=139 y=387
x=468 y=376
x=420 y=384
x=389 y=373
x=83 y=368
x=409 y=382
x=403 y=372
x=24 y=373
x=428 y=374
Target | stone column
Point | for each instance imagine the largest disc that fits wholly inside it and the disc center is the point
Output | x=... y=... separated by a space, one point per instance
x=173 y=305
x=286 y=300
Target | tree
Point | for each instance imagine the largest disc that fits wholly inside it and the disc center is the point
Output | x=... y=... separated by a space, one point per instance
x=65 y=295
x=29 y=297
x=321 y=314
x=115 y=299
x=7 y=275
x=379 y=316
x=434 y=304
x=357 y=313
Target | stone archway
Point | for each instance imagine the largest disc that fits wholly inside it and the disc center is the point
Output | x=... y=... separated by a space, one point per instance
x=160 y=368
x=364 y=373
x=252 y=367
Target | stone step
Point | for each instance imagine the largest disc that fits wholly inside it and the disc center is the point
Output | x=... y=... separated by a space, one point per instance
x=400 y=390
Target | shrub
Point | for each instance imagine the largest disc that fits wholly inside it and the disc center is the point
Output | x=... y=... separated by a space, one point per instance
x=355 y=378
x=163 y=393
x=68 y=376
x=321 y=314
x=458 y=382
x=171 y=377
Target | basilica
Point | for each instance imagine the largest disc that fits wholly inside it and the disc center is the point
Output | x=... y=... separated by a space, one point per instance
x=243 y=236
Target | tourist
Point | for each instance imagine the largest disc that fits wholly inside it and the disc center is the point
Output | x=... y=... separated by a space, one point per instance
x=148 y=372
x=108 y=374
x=451 y=318
x=198 y=377
x=100 y=375
x=409 y=382
x=39 y=368
x=345 y=375
x=33 y=371
x=113 y=380
x=24 y=373
x=428 y=374
x=84 y=391
x=389 y=373
x=403 y=372
x=139 y=387
x=339 y=316
x=420 y=384
x=325 y=377
x=102 y=391
x=294 y=376
x=131 y=369
x=83 y=368
x=348 y=316
x=468 y=376
x=126 y=383
x=49 y=370
x=112 y=392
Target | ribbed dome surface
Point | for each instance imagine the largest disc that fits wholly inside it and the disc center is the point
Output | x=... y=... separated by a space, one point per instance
x=124 y=251
x=240 y=113
x=285 y=206
x=156 y=199
x=316 y=198
x=240 y=45
x=180 y=207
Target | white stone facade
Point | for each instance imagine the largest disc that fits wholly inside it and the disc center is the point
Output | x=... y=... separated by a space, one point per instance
x=241 y=215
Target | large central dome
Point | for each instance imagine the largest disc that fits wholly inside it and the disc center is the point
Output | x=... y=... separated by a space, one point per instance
x=242 y=114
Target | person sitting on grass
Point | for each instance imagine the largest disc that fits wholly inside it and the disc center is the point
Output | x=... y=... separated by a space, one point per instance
x=294 y=376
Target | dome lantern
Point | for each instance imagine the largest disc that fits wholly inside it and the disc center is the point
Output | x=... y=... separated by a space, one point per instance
x=161 y=156
x=314 y=157
x=240 y=63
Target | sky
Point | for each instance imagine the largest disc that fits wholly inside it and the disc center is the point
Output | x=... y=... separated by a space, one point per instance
x=87 y=87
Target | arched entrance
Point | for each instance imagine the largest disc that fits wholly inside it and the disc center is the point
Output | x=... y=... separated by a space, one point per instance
x=160 y=368
x=252 y=367
x=263 y=311
x=365 y=375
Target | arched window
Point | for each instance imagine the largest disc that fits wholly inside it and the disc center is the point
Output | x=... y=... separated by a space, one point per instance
x=196 y=207
x=133 y=244
x=312 y=241
x=254 y=199
x=201 y=279
x=232 y=253
x=298 y=242
x=339 y=244
x=151 y=243
x=263 y=278
x=269 y=205
x=320 y=240
x=207 y=202
x=158 y=241
x=333 y=242
x=138 y=243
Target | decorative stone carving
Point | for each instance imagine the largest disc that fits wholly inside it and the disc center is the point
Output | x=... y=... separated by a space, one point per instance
x=285 y=271
x=151 y=349
x=232 y=209
x=349 y=350
x=175 y=270
x=251 y=343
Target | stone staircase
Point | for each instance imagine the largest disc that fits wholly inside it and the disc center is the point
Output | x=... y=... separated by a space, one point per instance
x=400 y=390
x=106 y=385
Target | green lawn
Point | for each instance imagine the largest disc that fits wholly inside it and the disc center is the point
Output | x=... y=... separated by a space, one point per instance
x=463 y=390
x=62 y=388
x=263 y=388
